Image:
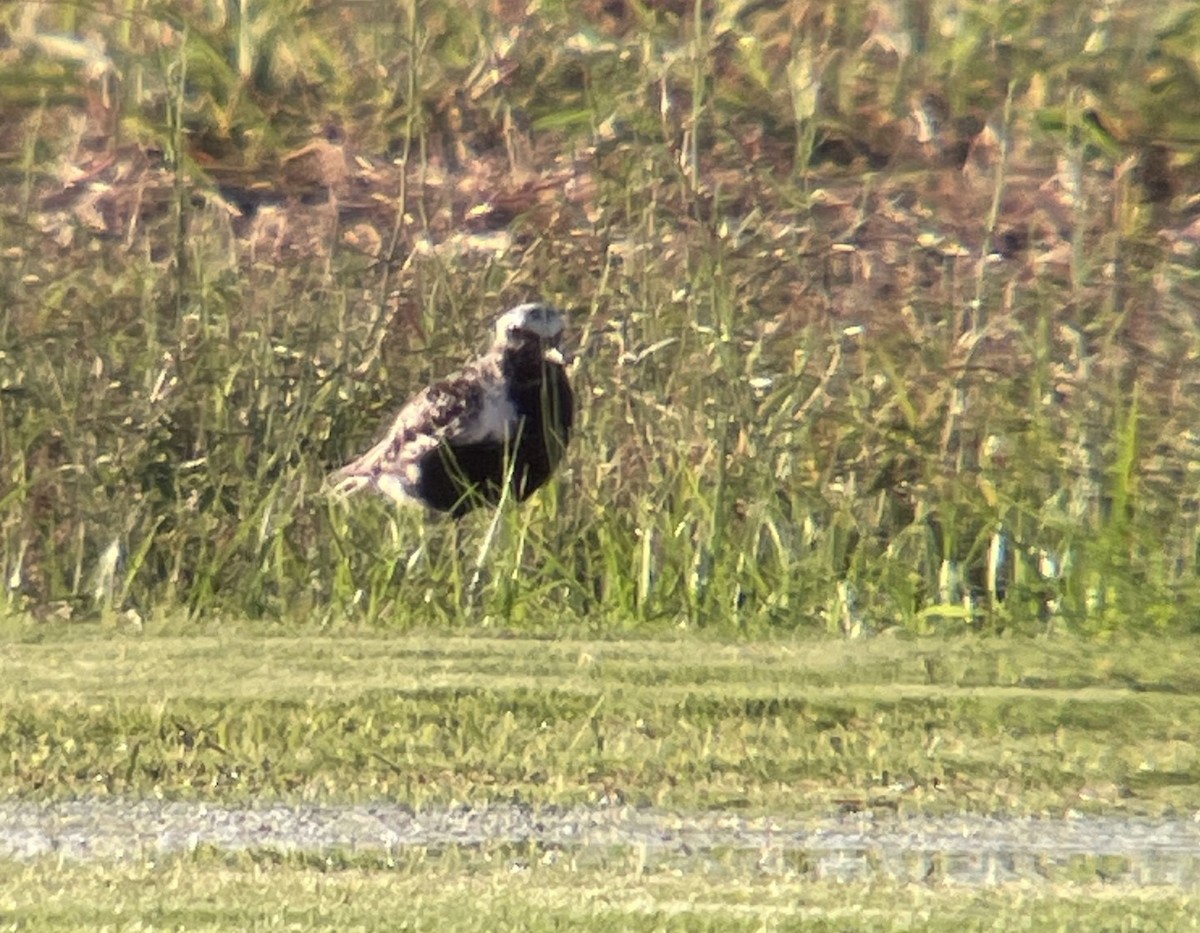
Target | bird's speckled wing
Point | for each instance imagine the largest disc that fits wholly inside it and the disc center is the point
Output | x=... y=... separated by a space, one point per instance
x=469 y=406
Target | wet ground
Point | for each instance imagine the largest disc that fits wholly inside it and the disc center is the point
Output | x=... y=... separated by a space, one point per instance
x=965 y=849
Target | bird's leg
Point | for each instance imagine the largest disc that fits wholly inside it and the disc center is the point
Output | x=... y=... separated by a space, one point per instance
x=419 y=553
x=478 y=577
x=505 y=496
x=456 y=565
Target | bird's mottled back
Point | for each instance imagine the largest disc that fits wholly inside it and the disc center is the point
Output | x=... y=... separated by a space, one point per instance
x=502 y=421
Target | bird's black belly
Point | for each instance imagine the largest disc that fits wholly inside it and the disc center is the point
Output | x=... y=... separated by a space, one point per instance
x=457 y=478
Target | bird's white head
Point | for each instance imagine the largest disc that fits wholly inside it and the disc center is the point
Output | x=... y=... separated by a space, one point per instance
x=534 y=319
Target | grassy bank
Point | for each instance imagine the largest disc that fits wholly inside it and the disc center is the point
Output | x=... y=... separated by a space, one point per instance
x=925 y=726
x=884 y=314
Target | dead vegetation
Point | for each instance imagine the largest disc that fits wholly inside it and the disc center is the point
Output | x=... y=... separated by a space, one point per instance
x=887 y=310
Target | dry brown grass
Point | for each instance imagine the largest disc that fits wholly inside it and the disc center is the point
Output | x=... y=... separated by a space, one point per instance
x=862 y=297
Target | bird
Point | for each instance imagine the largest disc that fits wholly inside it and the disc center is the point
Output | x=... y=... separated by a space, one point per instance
x=499 y=424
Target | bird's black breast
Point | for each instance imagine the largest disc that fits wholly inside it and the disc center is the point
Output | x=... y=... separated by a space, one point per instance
x=456 y=477
x=545 y=408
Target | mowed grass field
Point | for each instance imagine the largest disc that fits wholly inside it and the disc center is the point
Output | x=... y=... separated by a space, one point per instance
x=798 y=727
x=485 y=890
x=891 y=726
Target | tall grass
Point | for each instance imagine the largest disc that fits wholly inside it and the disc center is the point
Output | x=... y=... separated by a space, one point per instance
x=870 y=331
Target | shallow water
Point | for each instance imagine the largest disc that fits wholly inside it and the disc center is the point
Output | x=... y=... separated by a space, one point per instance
x=965 y=849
